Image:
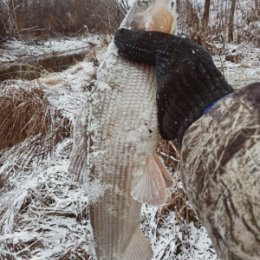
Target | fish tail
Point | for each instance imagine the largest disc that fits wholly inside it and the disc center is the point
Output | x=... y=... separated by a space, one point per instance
x=138 y=248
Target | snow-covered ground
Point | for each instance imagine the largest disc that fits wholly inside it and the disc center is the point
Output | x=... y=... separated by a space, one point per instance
x=43 y=210
x=12 y=50
x=245 y=69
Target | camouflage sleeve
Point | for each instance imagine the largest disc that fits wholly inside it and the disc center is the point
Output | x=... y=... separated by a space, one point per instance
x=220 y=170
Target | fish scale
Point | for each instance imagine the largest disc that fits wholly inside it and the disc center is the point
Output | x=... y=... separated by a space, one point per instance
x=126 y=104
x=115 y=134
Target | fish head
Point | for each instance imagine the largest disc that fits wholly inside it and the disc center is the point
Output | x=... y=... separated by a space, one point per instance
x=159 y=16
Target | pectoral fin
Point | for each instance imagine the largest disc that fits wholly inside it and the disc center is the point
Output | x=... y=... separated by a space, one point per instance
x=148 y=184
x=138 y=248
x=165 y=173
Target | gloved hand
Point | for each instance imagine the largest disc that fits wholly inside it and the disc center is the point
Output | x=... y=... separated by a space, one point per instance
x=188 y=81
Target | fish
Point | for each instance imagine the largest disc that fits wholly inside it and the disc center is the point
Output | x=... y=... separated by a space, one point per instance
x=115 y=140
x=157 y=17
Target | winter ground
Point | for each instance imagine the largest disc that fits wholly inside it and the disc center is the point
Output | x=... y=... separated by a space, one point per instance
x=43 y=211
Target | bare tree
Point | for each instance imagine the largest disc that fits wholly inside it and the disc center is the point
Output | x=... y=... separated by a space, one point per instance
x=257 y=7
x=231 y=20
x=33 y=18
x=205 y=19
x=178 y=5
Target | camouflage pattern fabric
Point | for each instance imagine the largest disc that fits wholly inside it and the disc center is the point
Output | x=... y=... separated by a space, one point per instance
x=221 y=170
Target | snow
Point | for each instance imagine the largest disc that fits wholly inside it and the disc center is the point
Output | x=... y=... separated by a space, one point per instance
x=60 y=85
x=244 y=71
x=52 y=217
x=172 y=239
x=17 y=48
x=43 y=211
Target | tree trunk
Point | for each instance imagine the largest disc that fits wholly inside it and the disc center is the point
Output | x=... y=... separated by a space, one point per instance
x=205 y=19
x=28 y=18
x=178 y=6
x=257 y=12
x=257 y=7
x=231 y=21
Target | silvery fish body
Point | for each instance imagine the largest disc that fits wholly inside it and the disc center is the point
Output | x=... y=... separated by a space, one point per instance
x=124 y=134
x=115 y=133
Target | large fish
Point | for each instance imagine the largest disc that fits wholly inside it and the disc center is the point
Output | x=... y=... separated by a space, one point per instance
x=114 y=149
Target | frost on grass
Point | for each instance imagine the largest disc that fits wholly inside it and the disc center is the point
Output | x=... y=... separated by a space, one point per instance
x=26 y=112
x=174 y=231
x=16 y=48
x=240 y=64
x=43 y=211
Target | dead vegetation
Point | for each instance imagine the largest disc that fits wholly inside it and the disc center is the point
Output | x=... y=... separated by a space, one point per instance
x=40 y=19
x=23 y=114
x=32 y=67
x=178 y=200
x=43 y=211
x=170 y=153
x=26 y=113
x=213 y=27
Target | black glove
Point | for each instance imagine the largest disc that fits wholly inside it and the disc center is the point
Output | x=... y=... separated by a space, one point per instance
x=188 y=81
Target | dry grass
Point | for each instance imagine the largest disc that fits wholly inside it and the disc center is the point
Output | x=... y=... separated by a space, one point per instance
x=25 y=113
x=215 y=34
x=36 y=20
x=2 y=182
x=178 y=201
x=29 y=129
x=170 y=153
x=41 y=207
